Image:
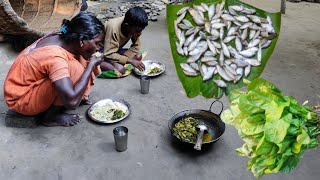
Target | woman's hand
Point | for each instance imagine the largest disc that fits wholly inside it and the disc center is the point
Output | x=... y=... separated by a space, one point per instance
x=96 y=59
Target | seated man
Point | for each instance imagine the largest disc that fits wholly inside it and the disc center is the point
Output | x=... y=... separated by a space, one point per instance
x=56 y=72
x=118 y=32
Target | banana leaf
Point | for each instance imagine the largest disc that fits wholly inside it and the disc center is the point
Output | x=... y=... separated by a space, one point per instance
x=195 y=86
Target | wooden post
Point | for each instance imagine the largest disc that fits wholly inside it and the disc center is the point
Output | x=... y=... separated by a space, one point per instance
x=283 y=6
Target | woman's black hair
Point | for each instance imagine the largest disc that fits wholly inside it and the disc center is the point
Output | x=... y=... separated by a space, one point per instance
x=83 y=26
x=136 y=16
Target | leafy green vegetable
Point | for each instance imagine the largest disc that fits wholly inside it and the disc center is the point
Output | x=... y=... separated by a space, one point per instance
x=275 y=128
x=195 y=86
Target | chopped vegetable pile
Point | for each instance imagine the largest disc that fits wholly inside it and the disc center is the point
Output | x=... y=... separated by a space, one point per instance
x=186 y=129
x=275 y=128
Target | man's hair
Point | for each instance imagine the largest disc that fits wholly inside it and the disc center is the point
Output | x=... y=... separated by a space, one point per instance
x=83 y=26
x=136 y=16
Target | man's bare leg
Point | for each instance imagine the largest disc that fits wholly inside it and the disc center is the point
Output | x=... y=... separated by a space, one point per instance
x=106 y=66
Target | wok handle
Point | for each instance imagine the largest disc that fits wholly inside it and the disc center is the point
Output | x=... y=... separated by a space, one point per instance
x=220 y=103
x=198 y=144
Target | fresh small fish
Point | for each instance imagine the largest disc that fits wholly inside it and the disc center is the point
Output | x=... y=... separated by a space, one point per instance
x=194 y=52
x=223 y=73
x=183 y=26
x=241 y=63
x=255 y=27
x=182 y=39
x=207 y=27
x=237 y=8
x=221 y=59
x=228 y=39
x=194 y=43
x=230 y=69
x=259 y=56
x=249 y=52
x=228 y=62
x=177 y=30
x=225 y=50
x=213 y=38
x=234 y=66
x=232 y=76
x=179 y=19
x=205 y=6
x=246 y=25
x=220 y=83
x=237 y=23
x=185 y=50
x=254 y=19
x=269 y=20
x=208 y=53
x=183 y=10
x=195 y=66
x=217 y=25
x=217 y=45
x=202 y=15
x=221 y=33
x=268 y=28
x=231 y=11
x=203 y=69
x=187 y=67
x=207 y=59
x=267 y=44
x=190 y=73
x=238 y=44
x=247 y=70
x=215 y=21
x=253 y=62
x=190 y=38
x=190 y=31
x=229 y=24
x=211 y=63
x=239 y=73
x=254 y=43
x=211 y=11
x=214 y=32
x=257 y=34
x=228 y=17
x=192 y=59
x=212 y=47
x=244 y=35
x=196 y=16
x=215 y=71
x=245 y=44
x=232 y=31
x=248 y=11
x=187 y=23
x=179 y=49
x=233 y=52
x=252 y=33
x=208 y=75
x=272 y=36
x=202 y=43
x=199 y=8
x=243 y=19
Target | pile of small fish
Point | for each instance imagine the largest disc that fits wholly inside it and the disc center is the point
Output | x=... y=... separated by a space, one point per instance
x=207 y=41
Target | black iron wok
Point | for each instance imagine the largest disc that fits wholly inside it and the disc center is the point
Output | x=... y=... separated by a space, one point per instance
x=215 y=125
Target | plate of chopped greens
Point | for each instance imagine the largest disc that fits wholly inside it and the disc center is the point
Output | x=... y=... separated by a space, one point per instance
x=109 y=111
x=152 y=68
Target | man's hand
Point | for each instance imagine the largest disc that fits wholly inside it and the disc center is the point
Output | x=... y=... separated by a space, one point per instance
x=138 y=56
x=137 y=63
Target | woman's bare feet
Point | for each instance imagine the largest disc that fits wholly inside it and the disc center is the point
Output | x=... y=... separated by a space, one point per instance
x=62 y=120
x=55 y=117
x=85 y=102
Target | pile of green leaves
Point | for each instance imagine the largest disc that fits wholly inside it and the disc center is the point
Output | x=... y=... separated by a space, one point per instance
x=275 y=128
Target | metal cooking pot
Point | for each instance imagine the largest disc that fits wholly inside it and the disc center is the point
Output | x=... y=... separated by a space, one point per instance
x=215 y=125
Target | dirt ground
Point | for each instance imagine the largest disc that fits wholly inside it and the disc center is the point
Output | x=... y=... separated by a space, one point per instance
x=86 y=151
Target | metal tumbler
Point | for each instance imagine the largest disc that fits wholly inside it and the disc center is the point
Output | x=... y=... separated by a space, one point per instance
x=120 y=134
x=144 y=84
